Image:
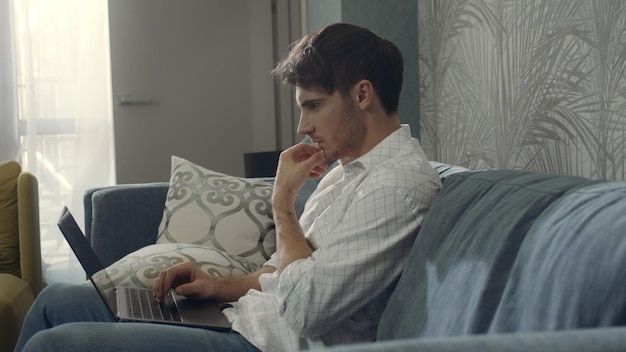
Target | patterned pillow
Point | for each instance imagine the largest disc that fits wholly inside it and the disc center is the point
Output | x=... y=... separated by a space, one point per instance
x=445 y=170
x=219 y=211
x=141 y=267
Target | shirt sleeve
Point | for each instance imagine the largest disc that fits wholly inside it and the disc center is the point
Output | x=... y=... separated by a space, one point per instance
x=359 y=260
x=273 y=261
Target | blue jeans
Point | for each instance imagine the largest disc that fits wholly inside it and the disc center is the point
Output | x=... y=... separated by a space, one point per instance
x=74 y=318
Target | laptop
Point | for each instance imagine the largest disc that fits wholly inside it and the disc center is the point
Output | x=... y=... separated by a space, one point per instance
x=137 y=304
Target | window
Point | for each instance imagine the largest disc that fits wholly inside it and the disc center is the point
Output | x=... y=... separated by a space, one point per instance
x=63 y=96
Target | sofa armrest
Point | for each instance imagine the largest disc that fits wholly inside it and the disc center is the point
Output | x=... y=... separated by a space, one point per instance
x=610 y=339
x=29 y=231
x=121 y=219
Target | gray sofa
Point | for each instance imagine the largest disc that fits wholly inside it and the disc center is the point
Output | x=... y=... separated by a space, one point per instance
x=505 y=261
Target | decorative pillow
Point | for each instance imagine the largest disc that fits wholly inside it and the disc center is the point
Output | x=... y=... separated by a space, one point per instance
x=445 y=170
x=141 y=267
x=215 y=210
x=9 y=238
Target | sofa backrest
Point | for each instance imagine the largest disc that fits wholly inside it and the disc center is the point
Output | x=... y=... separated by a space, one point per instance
x=506 y=250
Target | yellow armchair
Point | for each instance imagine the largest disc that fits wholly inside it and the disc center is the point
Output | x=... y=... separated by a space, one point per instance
x=21 y=277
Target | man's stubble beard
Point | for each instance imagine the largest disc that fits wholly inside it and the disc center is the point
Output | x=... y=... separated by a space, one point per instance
x=350 y=135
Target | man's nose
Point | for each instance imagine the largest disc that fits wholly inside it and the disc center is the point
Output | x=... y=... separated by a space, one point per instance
x=304 y=126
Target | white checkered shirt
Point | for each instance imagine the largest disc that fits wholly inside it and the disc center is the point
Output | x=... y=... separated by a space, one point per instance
x=361 y=220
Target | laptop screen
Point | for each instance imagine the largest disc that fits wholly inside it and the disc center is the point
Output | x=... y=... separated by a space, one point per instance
x=88 y=259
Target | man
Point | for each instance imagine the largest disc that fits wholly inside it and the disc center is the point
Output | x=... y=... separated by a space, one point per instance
x=337 y=265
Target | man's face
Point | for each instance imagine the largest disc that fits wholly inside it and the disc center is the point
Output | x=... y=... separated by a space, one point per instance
x=331 y=121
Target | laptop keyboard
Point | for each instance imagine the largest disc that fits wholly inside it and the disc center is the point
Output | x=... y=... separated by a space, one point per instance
x=143 y=306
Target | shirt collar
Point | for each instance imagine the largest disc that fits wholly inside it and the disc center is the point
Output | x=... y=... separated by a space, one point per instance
x=384 y=150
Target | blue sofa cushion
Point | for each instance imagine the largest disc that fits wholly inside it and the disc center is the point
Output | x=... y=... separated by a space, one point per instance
x=123 y=218
x=460 y=262
x=570 y=272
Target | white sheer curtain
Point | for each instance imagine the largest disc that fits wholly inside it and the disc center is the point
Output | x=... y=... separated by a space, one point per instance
x=9 y=143
x=62 y=74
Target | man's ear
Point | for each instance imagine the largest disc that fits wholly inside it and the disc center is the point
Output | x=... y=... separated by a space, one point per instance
x=364 y=92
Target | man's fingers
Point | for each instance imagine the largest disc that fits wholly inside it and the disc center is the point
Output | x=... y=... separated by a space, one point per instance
x=305 y=151
x=315 y=162
x=160 y=286
x=190 y=290
x=168 y=277
x=317 y=172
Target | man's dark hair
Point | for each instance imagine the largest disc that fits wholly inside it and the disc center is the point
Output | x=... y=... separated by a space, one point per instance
x=340 y=55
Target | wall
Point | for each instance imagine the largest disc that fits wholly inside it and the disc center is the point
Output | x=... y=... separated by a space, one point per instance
x=536 y=85
x=206 y=65
x=320 y=13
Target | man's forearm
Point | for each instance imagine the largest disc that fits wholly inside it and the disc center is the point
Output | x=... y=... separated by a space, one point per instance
x=233 y=287
x=291 y=245
x=295 y=165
